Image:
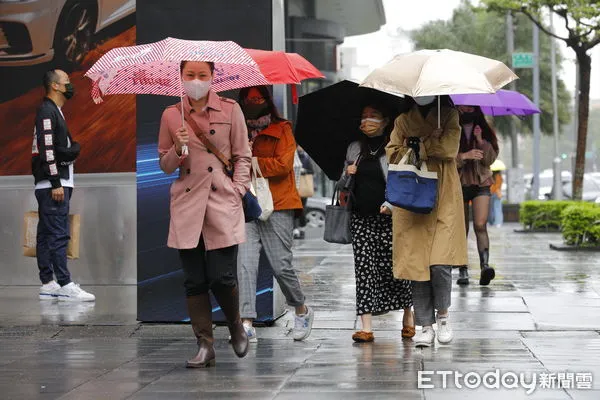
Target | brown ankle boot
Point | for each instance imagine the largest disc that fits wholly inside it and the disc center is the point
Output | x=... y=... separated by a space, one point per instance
x=200 y=313
x=229 y=300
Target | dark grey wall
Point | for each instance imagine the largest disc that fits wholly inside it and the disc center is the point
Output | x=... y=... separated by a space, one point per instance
x=248 y=23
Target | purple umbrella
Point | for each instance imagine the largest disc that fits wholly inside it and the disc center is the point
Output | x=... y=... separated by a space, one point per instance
x=503 y=102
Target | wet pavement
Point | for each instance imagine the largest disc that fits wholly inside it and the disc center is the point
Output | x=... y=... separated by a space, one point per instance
x=539 y=318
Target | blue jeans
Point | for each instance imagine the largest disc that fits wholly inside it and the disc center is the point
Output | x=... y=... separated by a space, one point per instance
x=496 y=216
x=53 y=236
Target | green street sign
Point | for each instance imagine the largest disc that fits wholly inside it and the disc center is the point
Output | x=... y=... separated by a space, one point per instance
x=522 y=60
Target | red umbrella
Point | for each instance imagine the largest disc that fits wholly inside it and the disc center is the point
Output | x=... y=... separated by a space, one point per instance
x=282 y=68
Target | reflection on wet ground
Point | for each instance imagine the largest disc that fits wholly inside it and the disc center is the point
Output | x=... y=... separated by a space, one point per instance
x=541 y=316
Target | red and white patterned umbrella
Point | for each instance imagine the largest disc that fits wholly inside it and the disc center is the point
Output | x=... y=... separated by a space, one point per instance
x=154 y=68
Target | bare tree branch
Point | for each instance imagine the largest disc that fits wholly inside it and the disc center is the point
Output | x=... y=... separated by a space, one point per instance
x=563 y=12
x=594 y=42
x=542 y=27
x=592 y=27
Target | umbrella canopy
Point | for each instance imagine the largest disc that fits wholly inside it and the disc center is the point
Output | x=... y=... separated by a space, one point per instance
x=280 y=67
x=329 y=119
x=498 y=165
x=154 y=68
x=503 y=102
x=439 y=72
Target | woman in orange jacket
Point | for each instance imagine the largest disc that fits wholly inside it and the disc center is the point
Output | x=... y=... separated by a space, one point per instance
x=496 y=217
x=274 y=146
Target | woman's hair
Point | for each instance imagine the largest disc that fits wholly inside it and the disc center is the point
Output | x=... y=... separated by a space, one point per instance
x=211 y=65
x=487 y=132
x=387 y=113
x=264 y=92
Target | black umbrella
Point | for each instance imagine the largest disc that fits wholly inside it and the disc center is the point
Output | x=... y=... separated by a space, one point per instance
x=329 y=119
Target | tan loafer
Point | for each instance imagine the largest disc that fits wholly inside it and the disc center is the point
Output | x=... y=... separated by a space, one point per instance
x=363 y=337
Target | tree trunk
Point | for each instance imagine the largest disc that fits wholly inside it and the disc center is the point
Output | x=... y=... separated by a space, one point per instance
x=585 y=69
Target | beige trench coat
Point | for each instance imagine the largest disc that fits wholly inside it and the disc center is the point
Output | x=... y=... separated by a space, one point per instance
x=439 y=238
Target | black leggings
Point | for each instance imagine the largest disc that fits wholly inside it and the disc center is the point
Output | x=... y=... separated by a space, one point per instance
x=202 y=269
x=480 y=197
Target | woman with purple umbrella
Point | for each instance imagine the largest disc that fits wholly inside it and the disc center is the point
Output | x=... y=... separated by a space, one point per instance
x=478 y=150
x=503 y=102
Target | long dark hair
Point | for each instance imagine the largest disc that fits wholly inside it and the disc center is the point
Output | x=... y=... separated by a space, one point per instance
x=387 y=113
x=487 y=133
x=264 y=92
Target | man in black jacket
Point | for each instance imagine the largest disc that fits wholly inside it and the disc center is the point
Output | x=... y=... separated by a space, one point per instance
x=53 y=153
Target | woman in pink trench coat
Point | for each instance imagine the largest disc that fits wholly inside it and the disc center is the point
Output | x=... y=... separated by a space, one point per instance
x=207 y=216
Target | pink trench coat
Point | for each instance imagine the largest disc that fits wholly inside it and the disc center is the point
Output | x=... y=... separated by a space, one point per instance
x=204 y=200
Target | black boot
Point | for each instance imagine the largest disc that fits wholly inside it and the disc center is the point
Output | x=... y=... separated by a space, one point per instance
x=463 y=276
x=229 y=300
x=487 y=272
x=200 y=313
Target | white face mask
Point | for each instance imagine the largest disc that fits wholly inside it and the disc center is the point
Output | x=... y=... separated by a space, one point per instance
x=196 y=89
x=424 y=100
x=376 y=120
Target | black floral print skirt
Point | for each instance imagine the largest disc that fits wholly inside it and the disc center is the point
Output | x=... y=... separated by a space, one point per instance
x=377 y=291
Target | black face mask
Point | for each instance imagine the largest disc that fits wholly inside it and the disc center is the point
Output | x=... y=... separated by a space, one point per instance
x=468 y=117
x=69 y=91
x=255 y=111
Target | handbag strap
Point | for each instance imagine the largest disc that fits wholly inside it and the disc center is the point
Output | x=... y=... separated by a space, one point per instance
x=404 y=161
x=335 y=198
x=256 y=172
x=350 y=180
x=211 y=147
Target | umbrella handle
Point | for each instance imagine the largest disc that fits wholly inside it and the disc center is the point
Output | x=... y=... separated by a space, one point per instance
x=184 y=149
x=439 y=109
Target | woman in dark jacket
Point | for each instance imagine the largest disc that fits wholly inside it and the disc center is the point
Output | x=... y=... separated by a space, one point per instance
x=377 y=292
x=478 y=150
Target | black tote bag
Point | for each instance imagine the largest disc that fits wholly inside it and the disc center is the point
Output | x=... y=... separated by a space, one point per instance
x=337 y=221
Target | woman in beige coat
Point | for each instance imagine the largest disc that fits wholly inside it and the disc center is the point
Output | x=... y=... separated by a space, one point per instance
x=427 y=246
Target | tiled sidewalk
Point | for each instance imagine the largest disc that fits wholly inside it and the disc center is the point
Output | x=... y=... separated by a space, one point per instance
x=541 y=315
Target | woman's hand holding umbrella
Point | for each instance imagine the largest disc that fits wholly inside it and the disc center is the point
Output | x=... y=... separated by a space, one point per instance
x=182 y=139
x=352 y=168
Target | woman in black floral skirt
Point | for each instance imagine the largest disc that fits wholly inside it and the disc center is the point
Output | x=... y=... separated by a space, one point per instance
x=377 y=292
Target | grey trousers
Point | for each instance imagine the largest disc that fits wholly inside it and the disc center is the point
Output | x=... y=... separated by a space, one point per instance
x=432 y=295
x=275 y=236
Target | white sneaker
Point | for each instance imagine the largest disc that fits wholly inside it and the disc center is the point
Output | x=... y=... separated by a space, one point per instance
x=48 y=291
x=250 y=332
x=303 y=324
x=444 y=332
x=425 y=338
x=72 y=292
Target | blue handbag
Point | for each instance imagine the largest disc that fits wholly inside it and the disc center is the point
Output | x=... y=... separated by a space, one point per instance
x=252 y=209
x=411 y=188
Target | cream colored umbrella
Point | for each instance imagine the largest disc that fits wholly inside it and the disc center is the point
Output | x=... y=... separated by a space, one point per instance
x=439 y=72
